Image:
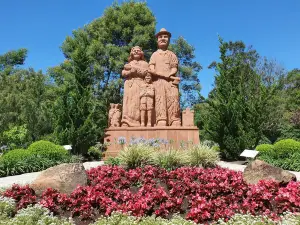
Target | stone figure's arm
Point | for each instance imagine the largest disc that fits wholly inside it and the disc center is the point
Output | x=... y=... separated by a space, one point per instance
x=174 y=65
x=145 y=68
x=151 y=65
x=173 y=72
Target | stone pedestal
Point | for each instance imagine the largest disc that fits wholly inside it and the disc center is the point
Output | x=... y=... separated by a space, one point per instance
x=177 y=136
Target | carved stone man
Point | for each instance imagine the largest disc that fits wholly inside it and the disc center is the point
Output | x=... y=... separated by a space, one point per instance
x=163 y=66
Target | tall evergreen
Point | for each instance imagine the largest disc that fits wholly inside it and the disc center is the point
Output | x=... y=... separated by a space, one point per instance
x=234 y=120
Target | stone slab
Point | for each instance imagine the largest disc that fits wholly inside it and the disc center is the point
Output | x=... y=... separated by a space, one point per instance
x=177 y=135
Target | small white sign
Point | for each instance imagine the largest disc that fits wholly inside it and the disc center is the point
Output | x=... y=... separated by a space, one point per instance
x=249 y=153
x=68 y=147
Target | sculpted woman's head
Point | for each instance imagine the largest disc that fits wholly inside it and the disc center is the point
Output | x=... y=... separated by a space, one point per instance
x=136 y=53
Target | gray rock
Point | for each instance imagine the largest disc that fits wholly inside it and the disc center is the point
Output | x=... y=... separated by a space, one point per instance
x=260 y=170
x=64 y=178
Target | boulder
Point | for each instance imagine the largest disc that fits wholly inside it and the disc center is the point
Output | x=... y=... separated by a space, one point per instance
x=64 y=178
x=260 y=170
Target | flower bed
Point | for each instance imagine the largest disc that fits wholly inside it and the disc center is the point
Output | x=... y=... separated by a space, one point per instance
x=201 y=195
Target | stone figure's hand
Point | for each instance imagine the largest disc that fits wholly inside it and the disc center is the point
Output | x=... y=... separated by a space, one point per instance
x=145 y=72
x=152 y=71
x=127 y=67
x=133 y=70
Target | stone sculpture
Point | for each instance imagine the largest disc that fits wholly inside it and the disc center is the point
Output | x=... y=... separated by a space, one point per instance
x=147 y=94
x=151 y=100
x=163 y=66
x=134 y=72
x=114 y=115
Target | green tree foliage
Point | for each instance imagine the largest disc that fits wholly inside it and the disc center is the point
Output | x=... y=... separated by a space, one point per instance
x=17 y=136
x=90 y=78
x=237 y=110
x=291 y=95
x=188 y=72
x=11 y=59
x=25 y=99
x=273 y=98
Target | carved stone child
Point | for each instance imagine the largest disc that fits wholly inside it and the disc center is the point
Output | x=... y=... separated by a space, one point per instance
x=147 y=94
x=114 y=115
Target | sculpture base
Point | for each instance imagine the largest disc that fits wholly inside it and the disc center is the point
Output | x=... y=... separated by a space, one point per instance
x=178 y=136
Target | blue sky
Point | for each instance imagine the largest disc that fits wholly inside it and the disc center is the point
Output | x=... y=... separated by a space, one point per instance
x=272 y=27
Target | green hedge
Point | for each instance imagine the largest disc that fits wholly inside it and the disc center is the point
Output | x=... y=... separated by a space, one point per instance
x=48 y=150
x=284 y=154
x=265 y=148
x=286 y=147
x=39 y=156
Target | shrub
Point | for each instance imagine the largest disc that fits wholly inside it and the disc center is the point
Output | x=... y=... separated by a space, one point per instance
x=14 y=156
x=39 y=156
x=94 y=153
x=286 y=147
x=7 y=207
x=48 y=150
x=265 y=148
x=14 y=162
x=113 y=161
x=169 y=158
x=202 y=155
x=216 y=148
x=136 y=155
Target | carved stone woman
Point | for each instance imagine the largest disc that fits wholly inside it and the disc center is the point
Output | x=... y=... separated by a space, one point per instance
x=134 y=72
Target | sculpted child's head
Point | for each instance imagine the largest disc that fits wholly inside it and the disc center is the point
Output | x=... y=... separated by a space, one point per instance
x=148 y=78
x=136 y=53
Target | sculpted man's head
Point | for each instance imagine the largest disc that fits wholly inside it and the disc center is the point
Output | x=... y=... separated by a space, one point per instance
x=136 y=53
x=163 y=39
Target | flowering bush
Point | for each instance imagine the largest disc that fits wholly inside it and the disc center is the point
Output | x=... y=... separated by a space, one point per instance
x=24 y=196
x=202 y=195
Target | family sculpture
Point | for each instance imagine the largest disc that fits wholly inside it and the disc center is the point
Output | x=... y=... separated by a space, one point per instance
x=151 y=94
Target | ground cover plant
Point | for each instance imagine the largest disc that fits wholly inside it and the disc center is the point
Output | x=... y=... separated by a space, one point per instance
x=197 y=194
